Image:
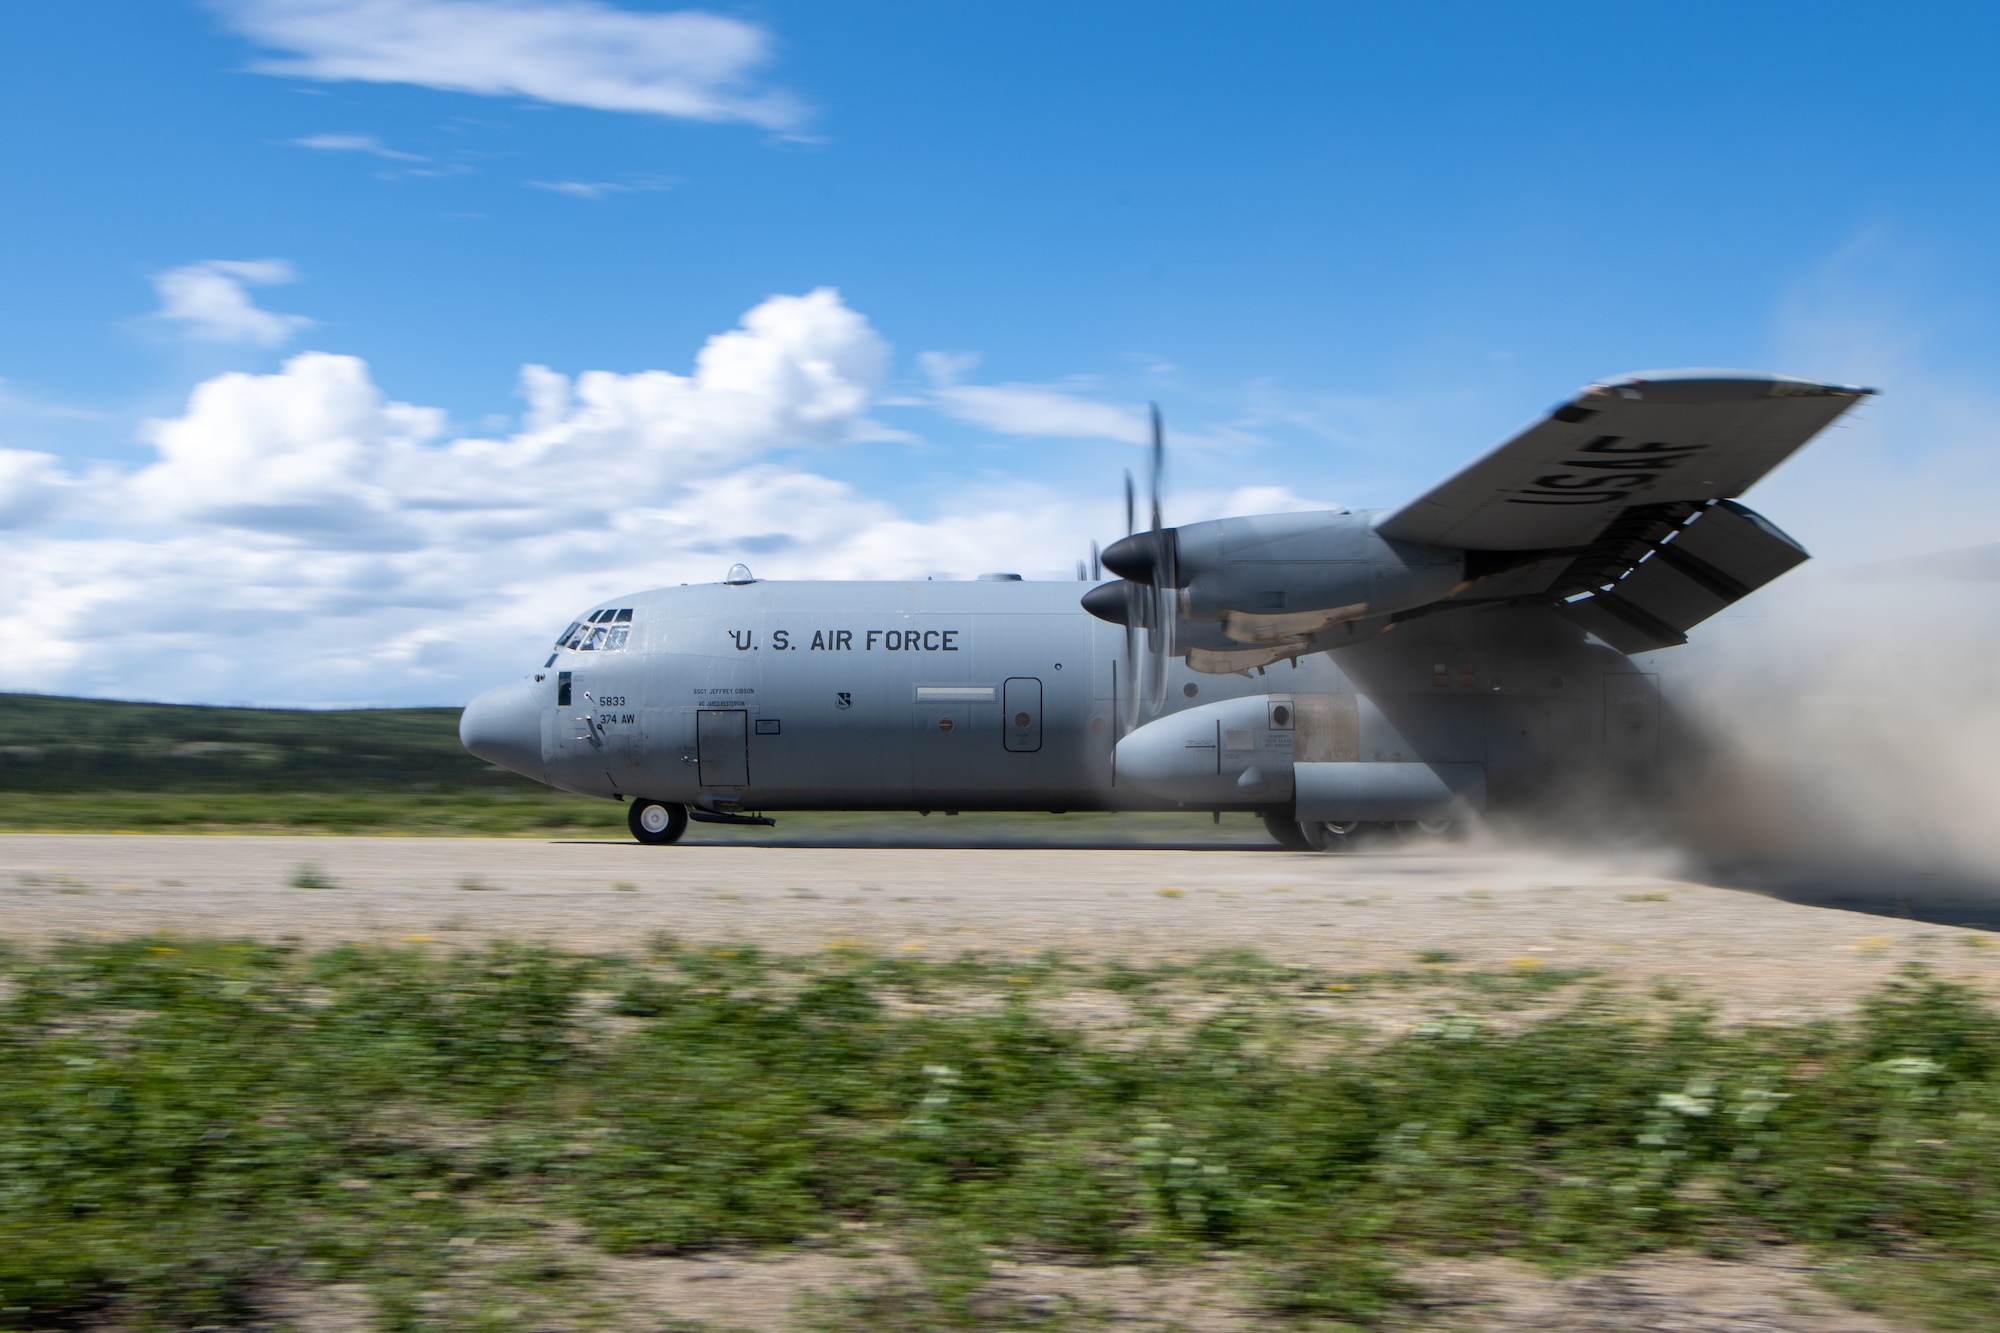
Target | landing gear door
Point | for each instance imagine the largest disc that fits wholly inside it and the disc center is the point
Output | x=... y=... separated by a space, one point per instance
x=722 y=742
x=1632 y=719
x=1021 y=714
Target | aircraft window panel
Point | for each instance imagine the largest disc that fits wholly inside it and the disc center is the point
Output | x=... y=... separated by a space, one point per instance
x=563 y=638
x=624 y=613
x=595 y=641
x=616 y=638
x=562 y=689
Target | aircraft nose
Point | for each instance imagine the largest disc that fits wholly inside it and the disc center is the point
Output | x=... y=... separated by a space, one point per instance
x=504 y=726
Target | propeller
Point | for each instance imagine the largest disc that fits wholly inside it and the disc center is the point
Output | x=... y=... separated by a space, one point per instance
x=1160 y=618
x=1132 y=616
x=1147 y=594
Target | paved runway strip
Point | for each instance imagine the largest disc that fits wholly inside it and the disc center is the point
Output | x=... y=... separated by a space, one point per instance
x=1753 y=956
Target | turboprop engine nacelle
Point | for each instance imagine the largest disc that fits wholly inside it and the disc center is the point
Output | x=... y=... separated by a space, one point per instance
x=1297 y=751
x=1270 y=578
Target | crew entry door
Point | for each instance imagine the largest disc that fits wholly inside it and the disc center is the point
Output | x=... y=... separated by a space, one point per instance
x=722 y=743
x=1021 y=714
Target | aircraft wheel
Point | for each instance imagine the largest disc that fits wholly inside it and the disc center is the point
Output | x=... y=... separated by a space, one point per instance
x=1312 y=835
x=1428 y=830
x=1328 y=835
x=657 y=823
x=1343 y=834
x=1287 y=832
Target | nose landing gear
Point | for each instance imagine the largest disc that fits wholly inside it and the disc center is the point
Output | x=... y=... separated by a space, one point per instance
x=657 y=823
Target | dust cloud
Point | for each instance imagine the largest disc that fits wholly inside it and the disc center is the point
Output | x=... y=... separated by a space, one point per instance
x=1845 y=727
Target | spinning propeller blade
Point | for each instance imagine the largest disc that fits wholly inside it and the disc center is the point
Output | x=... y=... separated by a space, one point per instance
x=1163 y=601
x=1131 y=720
x=1147 y=594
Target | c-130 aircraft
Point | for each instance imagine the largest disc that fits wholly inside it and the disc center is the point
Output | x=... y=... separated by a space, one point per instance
x=1467 y=653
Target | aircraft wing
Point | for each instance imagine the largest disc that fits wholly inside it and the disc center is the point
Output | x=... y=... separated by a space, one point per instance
x=1647 y=439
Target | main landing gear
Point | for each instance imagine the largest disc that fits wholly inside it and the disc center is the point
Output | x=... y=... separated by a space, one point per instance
x=657 y=823
x=1319 y=835
x=1313 y=835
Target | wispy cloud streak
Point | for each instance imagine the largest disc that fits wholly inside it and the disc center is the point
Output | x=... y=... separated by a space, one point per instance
x=690 y=65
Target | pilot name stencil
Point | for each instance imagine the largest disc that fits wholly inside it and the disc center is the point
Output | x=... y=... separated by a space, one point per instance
x=844 y=640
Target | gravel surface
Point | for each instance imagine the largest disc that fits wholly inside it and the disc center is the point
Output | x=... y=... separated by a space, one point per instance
x=1755 y=957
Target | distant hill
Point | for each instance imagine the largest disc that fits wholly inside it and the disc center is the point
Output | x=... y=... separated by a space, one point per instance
x=52 y=744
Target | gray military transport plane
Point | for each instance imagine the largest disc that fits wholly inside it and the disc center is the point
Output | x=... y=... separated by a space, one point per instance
x=1467 y=652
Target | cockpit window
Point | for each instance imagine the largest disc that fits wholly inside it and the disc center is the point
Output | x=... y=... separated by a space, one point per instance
x=605 y=630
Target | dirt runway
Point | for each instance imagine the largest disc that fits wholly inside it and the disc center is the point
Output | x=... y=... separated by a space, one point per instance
x=1634 y=922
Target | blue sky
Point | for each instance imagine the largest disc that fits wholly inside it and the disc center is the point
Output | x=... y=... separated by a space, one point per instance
x=273 y=268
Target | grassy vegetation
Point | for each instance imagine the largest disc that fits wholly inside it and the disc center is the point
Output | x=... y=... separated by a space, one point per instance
x=190 y=1129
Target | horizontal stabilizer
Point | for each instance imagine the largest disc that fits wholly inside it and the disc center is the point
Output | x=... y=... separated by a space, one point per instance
x=1650 y=439
x=1724 y=553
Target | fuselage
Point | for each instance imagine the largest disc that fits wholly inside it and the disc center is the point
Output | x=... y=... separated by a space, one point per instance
x=1006 y=695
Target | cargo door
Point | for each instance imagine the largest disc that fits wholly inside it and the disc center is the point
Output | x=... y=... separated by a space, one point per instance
x=722 y=746
x=1021 y=714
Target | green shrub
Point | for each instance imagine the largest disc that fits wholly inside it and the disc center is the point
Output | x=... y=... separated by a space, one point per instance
x=186 y=1125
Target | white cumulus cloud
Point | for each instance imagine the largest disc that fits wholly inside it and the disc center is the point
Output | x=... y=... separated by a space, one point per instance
x=211 y=301
x=301 y=536
x=688 y=64
x=32 y=488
